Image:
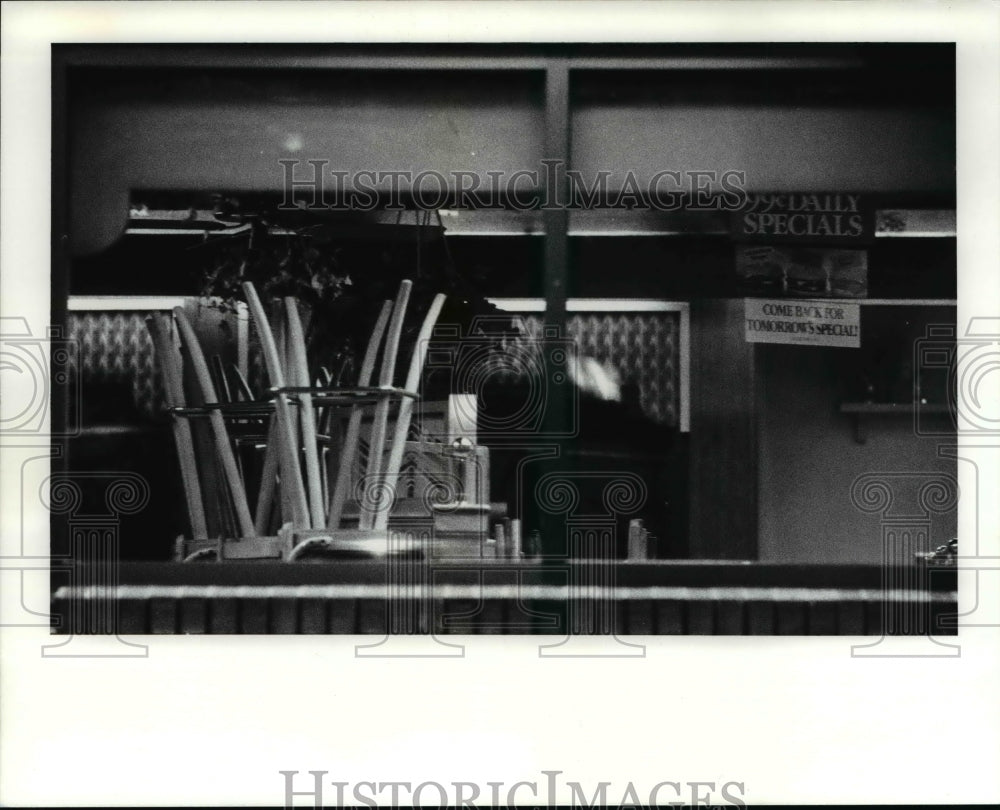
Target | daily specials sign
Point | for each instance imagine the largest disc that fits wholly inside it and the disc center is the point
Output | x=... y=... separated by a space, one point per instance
x=810 y=323
x=830 y=219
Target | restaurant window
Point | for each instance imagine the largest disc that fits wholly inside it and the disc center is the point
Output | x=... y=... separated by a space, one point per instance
x=747 y=354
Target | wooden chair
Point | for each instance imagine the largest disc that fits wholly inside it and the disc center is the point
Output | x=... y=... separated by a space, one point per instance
x=243 y=432
x=215 y=398
x=310 y=495
x=322 y=494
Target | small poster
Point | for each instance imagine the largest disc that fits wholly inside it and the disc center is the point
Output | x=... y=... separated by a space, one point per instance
x=811 y=272
x=810 y=323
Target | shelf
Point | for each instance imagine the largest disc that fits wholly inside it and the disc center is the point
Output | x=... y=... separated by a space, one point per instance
x=860 y=410
x=488 y=220
x=903 y=302
x=892 y=407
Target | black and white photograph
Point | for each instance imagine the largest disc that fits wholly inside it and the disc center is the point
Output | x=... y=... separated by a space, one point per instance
x=508 y=338
x=668 y=356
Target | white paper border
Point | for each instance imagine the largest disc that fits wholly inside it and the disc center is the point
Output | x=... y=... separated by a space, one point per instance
x=209 y=721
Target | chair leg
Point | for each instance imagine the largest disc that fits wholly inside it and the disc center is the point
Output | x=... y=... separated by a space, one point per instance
x=283 y=343
x=268 y=480
x=291 y=474
x=351 y=439
x=160 y=331
x=238 y=383
x=376 y=446
x=300 y=374
x=406 y=404
x=219 y=433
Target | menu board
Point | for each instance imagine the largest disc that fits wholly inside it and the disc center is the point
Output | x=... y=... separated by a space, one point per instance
x=803 y=244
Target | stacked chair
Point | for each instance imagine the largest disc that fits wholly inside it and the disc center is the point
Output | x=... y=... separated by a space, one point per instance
x=279 y=468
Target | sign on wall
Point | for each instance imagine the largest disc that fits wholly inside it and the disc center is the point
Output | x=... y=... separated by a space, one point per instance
x=807 y=271
x=803 y=244
x=831 y=219
x=809 y=323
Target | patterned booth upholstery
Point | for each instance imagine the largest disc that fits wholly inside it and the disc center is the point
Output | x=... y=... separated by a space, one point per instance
x=644 y=347
x=115 y=351
x=122 y=427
